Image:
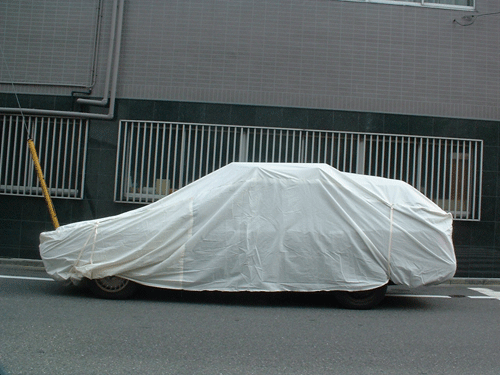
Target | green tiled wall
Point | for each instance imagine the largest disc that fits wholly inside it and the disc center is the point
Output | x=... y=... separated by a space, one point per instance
x=22 y=219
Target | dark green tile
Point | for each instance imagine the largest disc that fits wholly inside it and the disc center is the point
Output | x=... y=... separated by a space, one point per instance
x=346 y=121
x=371 y=122
x=269 y=117
x=418 y=125
x=295 y=118
x=243 y=115
x=192 y=112
x=218 y=114
x=320 y=119
x=396 y=124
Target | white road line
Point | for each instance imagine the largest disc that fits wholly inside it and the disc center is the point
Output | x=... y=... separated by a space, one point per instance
x=417 y=295
x=26 y=278
x=488 y=292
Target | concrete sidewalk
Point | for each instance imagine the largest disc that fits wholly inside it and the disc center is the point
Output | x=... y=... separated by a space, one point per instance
x=38 y=264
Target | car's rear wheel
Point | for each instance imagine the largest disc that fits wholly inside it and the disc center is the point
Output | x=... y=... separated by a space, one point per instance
x=113 y=287
x=362 y=300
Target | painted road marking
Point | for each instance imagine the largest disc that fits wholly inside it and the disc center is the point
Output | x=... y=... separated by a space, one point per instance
x=26 y=278
x=488 y=293
x=416 y=295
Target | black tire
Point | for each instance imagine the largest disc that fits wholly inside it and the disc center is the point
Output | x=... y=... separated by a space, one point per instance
x=113 y=287
x=362 y=300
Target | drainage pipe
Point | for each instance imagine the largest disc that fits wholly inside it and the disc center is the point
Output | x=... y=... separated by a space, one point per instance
x=114 y=80
x=105 y=98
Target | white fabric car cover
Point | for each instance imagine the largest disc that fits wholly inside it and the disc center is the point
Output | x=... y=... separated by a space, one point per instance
x=265 y=227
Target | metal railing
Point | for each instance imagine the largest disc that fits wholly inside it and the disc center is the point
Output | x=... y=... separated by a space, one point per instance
x=156 y=158
x=61 y=144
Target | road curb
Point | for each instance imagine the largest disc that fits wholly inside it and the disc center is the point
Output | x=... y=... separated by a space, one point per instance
x=38 y=264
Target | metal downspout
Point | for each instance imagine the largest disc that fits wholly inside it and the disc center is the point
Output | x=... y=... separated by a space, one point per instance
x=98 y=116
x=105 y=98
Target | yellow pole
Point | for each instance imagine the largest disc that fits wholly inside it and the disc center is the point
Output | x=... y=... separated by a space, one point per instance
x=39 y=172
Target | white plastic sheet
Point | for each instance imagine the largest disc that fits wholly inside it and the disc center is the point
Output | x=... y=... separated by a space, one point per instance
x=265 y=227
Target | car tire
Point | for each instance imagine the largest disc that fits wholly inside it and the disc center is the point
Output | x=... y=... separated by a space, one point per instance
x=362 y=300
x=113 y=287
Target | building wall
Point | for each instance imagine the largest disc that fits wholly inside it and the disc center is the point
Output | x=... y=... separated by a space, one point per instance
x=315 y=64
x=310 y=54
x=477 y=243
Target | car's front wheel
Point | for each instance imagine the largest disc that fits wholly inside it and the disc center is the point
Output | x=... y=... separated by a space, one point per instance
x=362 y=300
x=113 y=287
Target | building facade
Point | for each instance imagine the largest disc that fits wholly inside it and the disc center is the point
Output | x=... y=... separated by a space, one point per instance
x=128 y=101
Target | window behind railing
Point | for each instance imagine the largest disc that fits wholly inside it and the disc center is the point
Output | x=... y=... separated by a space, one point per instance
x=61 y=145
x=157 y=158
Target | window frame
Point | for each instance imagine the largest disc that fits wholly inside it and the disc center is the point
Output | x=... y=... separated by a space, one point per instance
x=61 y=144
x=156 y=158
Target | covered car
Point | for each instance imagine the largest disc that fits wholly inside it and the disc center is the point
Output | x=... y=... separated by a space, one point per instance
x=265 y=227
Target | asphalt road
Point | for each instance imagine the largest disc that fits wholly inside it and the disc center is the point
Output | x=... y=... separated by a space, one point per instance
x=48 y=328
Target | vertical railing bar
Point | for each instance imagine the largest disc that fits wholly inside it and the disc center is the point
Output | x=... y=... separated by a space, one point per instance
x=419 y=164
x=293 y=145
x=84 y=158
x=280 y=147
x=414 y=162
x=339 y=142
x=57 y=186
x=438 y=181
x=187 y=155
x=235 y=138
x=469 y=166
x=222 y=129
x=214 y=148
x=155 y=126
x=71 y=152
x=202 y=153
x=267 y=145
x=228 y=143
x=209 y=137
x=426 y=176
x=143 y=160
x=149 y=194
x=447 y=183
x=456 y=176
x=480 y=181
x=64 y=151
x=26 y=160
x=313 y=144
x=164 y=176
x=462 y=179
x=474 y=186
x=195 y=152
x=182 y=155
x=409 y=148
x=305 y=141
x=383 y=167
x=274 y=146
x=47 y=148
x=389 y=158
x=370 y=151
x=51 y=168
x=174 y=165
x=14 y=151
x=119 y=183
x=136 y=158
x=5 y=144
x=433 y=195
x=254 y=142
x=332 y=152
